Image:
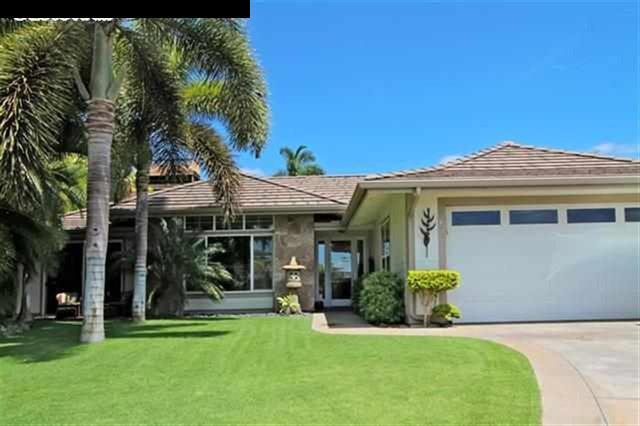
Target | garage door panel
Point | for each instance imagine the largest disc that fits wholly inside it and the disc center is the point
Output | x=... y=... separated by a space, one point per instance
x=545 y=272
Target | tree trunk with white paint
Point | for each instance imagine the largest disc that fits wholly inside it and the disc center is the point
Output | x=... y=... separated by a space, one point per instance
x=142 y=231
x=100 y=122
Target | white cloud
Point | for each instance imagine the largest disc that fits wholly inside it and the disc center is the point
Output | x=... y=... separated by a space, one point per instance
x=617 y=149
x=255 y=172
x=449 y=158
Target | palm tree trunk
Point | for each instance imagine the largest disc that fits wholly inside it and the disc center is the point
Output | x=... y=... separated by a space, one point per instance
x=19 y=290
x=100 y=121
x=142 y=233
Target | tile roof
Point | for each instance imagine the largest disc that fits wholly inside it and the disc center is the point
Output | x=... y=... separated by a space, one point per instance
x=512 y=159
x=256 y=193
x=337 y=187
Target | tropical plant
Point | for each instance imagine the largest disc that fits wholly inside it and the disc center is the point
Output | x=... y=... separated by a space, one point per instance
x=201 y=100
x=300 y=162
x=381 y=299
x=288 y=304
x=44 y=67
x=179 y=262
x=446 y=311
x=429 y=284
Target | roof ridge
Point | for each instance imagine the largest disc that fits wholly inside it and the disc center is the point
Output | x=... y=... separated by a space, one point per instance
x=319 y=176
x=578 y=153
x=265 y=179
x=463 y=159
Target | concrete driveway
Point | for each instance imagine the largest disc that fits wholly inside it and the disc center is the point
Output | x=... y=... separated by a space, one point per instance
x=604 y=357
x=588 y=372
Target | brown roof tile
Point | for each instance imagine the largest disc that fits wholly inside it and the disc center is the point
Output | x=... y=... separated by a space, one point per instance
x=337 y=187
x=512 y=159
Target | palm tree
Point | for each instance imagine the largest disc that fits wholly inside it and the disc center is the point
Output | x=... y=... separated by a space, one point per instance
x=202 y=100
x=300 y=162
x=43 y=69
x=178 y=262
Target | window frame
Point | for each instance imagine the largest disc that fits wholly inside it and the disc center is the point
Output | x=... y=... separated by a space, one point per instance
x=386 y=223
x=251 y=237
x=600 y=222
x=519 y=210
x=214 y=218
x=487 y=209
x=624 y=218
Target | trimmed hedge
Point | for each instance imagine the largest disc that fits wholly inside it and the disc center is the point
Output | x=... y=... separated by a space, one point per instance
x=433 y=280
x=381 y=299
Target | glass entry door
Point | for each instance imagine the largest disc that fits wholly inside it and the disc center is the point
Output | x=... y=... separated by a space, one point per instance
x=339 y=264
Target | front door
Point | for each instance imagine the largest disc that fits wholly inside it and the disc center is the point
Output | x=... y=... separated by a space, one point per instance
x=339 y=263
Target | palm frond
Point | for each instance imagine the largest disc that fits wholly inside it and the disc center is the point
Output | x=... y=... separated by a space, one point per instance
x=36 y=92
x=219 y=50
x=216 y=159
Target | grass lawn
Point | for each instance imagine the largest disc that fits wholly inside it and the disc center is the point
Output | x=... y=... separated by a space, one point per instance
x=271 y=370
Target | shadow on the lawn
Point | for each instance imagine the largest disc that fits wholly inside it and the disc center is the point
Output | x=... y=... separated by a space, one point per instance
x=53 y=340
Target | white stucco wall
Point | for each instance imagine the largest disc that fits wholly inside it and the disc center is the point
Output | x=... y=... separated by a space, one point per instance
x=438 y=200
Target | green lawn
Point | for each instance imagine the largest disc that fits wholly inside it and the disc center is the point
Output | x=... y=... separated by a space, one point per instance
x=268 y=370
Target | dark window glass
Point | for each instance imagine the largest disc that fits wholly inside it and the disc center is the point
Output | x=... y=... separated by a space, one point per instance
x=321 y=269
x=190 y=285
x=520 y=217
x=235 y=255
x=262 y=263
x=489 y=217
x=258 y=222
x=632 y=214
x=198 y=223
x=591 y=215
x=235 y=223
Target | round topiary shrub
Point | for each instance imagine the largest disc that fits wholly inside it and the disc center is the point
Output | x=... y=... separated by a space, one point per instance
x=381 y=299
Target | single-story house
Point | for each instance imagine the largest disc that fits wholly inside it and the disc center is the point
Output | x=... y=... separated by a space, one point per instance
x=537 y=235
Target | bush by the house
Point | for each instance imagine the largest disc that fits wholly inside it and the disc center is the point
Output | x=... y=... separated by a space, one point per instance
x=288 y=304
x=381 y=299
x=355 y=294
x=429 y=284
x=446 y=311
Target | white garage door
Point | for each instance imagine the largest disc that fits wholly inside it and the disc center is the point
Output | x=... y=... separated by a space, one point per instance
x=545 y=262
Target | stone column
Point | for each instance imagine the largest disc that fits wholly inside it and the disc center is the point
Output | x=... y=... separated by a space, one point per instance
x=294 y=236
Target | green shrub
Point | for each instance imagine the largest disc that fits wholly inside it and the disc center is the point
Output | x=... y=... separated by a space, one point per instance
x=429 y=284
x=447 y=311
x=288 y=304
x=434 y=281
x=381 y=299
x=355 y=294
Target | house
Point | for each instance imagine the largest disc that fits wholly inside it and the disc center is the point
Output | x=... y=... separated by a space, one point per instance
x=537 y=234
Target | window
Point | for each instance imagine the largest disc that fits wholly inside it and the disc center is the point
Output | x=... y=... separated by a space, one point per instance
x=529 y=217
x=385 y=238
x=262 y=263
x=258 y=222
x=236 y=254
x=198 y=223
x=591 y=215
x=488 y=217
x=236 y=223
x=632 y=214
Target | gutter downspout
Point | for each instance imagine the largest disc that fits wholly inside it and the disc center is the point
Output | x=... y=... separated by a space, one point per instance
x=411 y=200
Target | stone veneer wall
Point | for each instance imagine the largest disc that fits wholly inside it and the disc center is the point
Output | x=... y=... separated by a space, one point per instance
x=294 y=236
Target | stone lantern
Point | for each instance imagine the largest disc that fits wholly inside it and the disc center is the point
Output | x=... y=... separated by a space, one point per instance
x=293 y=279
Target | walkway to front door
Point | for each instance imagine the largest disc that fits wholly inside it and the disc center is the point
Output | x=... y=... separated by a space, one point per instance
x=340 y=263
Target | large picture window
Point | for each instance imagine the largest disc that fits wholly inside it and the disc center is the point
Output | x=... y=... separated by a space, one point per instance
x=385 y=238
x=248 y=258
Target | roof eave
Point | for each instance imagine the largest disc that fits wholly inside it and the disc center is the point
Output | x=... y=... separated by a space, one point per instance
x=362 y=187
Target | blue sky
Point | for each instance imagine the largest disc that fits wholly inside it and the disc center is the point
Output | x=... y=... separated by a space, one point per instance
x=377 y=86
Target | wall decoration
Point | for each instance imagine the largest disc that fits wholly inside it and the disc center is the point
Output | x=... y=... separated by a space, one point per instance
x=428 y=225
